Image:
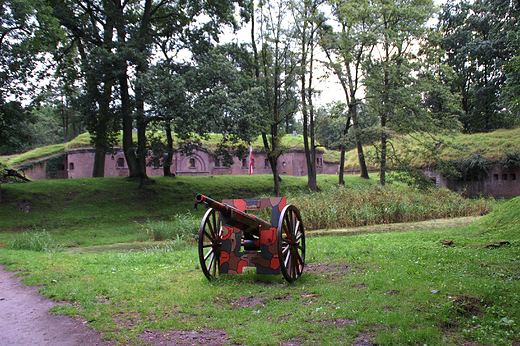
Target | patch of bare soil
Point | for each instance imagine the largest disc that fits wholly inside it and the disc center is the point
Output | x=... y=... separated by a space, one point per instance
x=323 y=269
x=248 y=302
x=467 y=305
x=339 y=322
x=25 y=319
x=207 y=337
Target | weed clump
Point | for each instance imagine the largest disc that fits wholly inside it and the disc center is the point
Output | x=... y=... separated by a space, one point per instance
x=183 y=228
x=35 y=241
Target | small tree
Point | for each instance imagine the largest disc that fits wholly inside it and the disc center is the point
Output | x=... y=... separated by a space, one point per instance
x=393 y=93
x=346 y=51
x=275 y=72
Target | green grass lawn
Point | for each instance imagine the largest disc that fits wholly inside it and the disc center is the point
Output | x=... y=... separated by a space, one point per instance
x=393 y=289
x=399 y=288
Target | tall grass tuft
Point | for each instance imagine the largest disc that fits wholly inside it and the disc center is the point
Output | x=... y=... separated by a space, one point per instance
x=370 y=205
x=35 y=241
x=184 y=227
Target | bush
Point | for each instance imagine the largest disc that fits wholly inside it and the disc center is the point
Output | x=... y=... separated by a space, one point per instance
x=475 y=167
x=35 y=241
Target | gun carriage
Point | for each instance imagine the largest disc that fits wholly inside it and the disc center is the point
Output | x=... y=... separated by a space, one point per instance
x=13 y=175
x=231 y=239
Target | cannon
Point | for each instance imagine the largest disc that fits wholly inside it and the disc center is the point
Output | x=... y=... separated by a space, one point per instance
x=231 y=239
x=13 y=175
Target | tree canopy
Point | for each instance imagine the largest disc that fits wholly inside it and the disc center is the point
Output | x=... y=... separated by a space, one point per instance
x=130 y=66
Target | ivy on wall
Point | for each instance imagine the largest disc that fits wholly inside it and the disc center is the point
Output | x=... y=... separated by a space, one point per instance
x=52 y=165
x=475 y=167
x=29 y=166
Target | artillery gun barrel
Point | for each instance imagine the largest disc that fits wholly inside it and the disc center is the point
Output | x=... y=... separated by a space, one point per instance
x=234 y=217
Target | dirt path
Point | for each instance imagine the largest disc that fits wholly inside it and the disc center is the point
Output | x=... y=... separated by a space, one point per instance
x=25 y=319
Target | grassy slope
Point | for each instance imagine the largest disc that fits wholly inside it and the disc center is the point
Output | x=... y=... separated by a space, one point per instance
x=420 y=151
x=94 y=211
x=83 y=212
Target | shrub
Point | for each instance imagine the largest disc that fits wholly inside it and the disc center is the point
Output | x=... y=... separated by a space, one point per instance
x=511 y=160
x=475 y=167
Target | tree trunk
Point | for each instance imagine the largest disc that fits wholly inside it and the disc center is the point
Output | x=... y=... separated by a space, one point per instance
x=141 y=148
x=142 y=67
x=342 y=156
x=361 y=156
x=98 y=170
x=276 y=177
x=312 y=182
x=169 y=153
x=128 y=141
x=382 y=172
x=65 y=124
x=126 y=108
x=273 y=161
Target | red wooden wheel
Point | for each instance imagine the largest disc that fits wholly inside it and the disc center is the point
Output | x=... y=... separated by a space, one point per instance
x=291 y=237
x=209 y=244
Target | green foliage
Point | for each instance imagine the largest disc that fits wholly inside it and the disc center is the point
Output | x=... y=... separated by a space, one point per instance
x=479 y=38
x=475 y=167
x=511 y=160
x=15 y=134
x=40 y=241
x=52 y=165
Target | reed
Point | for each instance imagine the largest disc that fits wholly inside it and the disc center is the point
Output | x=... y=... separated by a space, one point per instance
x=350 y=207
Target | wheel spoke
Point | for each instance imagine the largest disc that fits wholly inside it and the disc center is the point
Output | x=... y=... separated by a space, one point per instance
x=287 y=260
x=210 y=252
x=299 y=259
x=215 y=267
x=211 y=230
x=211 y=259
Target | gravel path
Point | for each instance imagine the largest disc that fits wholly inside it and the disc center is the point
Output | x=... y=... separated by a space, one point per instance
x=25 y=319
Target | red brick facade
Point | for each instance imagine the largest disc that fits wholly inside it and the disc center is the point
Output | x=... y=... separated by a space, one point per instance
x=78 y=163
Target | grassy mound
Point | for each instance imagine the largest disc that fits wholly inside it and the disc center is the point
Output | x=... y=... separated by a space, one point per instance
x=423 y=151
x=502 y=224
